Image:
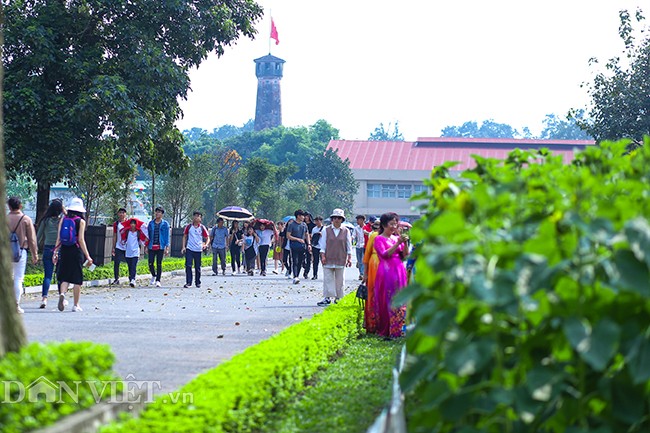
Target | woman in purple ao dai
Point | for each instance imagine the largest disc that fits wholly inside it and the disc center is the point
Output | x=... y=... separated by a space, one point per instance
x=390 y=245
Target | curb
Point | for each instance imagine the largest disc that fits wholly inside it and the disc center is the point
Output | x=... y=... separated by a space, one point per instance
x=91 y=419
x=106 y=282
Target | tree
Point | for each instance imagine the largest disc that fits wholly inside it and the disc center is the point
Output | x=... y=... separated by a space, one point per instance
x=388 y=133
x=12 y=331
x=488 y=129
x=261 y=186
x=559 y=129
x=333 y=182
x=620 y=95
x=80 y=70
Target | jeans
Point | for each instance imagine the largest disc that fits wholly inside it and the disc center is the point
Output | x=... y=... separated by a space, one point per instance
x=235 y=257
x=264 y=255
x=157 y=255
x=360 y=253
x=48 y=267
x=193 y=256
x=132 y=263
x=307 y=263
x=120 y=256
x=220 y=254
x=19 y=274
x=286 y=259
x=297 y=258
x=315 y=252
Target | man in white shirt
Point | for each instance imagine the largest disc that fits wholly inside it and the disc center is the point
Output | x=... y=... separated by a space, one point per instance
x=195 y=240
x=336 y=254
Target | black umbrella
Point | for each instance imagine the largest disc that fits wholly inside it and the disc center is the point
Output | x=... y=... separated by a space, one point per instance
x=235 y=213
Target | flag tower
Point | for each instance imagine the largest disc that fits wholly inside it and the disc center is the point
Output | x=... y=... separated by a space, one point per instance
x=268 y=70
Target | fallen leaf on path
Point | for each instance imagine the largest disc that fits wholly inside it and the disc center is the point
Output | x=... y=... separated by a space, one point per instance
x=220 y=336
x=236 y=323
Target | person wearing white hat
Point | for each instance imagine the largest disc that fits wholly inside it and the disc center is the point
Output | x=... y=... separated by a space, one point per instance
x=70 y=252
x=336 y=254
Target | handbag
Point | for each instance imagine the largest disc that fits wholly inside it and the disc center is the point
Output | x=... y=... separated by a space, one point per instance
x=362 y=293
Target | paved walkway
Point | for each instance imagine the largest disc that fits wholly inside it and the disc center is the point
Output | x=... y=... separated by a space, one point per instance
x=170 y=334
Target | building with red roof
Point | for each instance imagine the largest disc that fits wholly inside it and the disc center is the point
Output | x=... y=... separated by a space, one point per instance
x=390 y=172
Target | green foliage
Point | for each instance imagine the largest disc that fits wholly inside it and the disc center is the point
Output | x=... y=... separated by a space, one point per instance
x=532 y=296
x=237 y=395
x=569 y=129
x=21 y=185
x=488 y=129
x=387 y=133
x=57 y=362
x=74 y=76
x=261 y=182
x=333 y=183
x=34 y=275
x=364 y=369
x=621 y=93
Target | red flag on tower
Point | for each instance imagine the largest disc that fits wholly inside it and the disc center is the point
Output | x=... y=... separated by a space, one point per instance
x=274 y=32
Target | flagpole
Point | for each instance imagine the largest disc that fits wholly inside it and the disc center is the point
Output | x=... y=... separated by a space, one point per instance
x=270 y=26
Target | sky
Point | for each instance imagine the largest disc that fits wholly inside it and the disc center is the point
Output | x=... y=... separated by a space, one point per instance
x=425 y=64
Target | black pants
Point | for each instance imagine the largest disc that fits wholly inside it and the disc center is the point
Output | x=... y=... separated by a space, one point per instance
x=264 y=255
x=120 y=256
x=132 y=263
x=297 y=258
x=286 y=259
x=235 y=256
x=192 y=256
x=315 y=252
x=250 y=255
x=307 y=263
x=157 y=255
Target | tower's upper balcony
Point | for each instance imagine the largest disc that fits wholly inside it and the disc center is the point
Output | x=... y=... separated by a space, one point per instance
x=268 y=66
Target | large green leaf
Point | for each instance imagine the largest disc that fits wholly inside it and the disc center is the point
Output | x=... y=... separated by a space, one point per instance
x=468 y=358
x=597 y=345
x=633 y=274
x=638 y=360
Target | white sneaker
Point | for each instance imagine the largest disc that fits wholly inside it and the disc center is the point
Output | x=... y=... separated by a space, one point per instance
x=153 y=281
x=296 y=280
x=76 y=308
x=158 y=284
x=275 y=271
x=132 y=283
x=19 y=310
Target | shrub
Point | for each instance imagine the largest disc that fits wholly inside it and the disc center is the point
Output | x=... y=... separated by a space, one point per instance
x=237 y=395
x=532 y=296
x=55 y=362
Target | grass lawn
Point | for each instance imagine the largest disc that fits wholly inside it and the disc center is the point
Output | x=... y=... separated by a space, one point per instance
x=347 y=396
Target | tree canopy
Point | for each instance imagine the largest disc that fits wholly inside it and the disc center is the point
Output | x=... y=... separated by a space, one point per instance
x=88 y=73
x=620 y=106
x=564 y=129
x=487 y=129
x=386 y=133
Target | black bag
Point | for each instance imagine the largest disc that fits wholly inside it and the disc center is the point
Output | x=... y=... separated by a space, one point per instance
x=295 y=245
x=362 y=293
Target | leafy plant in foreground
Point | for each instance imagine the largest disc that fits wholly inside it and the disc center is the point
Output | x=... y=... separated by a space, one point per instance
x=532 y=296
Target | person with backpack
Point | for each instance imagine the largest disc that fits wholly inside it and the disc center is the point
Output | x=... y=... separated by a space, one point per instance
x=218 y=238
x=70 y=252
x=21 y=237
x=316 y=232
x=195 y=240
x=158 y=231
x=48 y=230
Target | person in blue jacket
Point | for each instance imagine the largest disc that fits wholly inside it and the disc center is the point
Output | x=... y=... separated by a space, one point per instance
x=158 y=230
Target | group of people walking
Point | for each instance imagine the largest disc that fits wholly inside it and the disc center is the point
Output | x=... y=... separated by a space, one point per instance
x=301 y=245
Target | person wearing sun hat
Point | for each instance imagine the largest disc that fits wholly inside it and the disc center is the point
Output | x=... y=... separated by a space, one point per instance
x=335 y=246
x=71 y=256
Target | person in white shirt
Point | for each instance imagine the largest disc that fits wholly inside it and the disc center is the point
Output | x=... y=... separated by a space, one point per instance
x=336 y=254
x=134 y=238
x=195 y=240
x=315 y=240
x=265 y=235
x=358 y=238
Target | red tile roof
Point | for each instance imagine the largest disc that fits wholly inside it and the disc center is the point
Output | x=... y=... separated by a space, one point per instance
x=427 y=153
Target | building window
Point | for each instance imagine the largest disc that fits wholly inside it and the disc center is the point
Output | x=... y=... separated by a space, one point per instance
x=403 y=191
x=417 y=189
x=388 y=190
x=374 y=190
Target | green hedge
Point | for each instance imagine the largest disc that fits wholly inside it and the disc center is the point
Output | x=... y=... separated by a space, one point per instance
x=56 y=362
x=237 y=395
x=105 y=272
